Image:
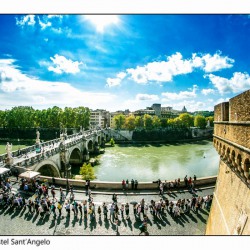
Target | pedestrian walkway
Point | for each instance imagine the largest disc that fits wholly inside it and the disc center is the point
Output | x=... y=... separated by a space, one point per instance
x=20 y=222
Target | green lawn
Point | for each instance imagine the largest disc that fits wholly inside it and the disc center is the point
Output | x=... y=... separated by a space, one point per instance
x=14 y=147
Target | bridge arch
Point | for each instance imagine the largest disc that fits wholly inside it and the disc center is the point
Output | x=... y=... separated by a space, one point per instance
x=48 y=168
x=75 y=156
x=90 y=146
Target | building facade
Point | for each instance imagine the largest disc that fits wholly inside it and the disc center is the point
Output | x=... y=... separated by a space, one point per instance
x=230 y=209
x=99 y=118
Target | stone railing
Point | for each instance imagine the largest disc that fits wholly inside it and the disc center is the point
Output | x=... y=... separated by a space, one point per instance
x=206 y=181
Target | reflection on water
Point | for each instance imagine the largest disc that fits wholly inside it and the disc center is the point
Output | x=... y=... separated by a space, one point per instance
x=151 y=162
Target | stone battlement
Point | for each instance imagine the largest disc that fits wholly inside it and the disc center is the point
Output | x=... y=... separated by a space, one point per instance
x=231 y=206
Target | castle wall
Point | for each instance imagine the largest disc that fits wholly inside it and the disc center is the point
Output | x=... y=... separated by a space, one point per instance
x=231 y=197
x=230 y=211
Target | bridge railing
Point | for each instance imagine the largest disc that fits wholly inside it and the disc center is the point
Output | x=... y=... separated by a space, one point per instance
x=49 y=152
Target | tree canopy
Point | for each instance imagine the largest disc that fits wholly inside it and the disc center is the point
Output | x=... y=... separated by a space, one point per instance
x=55 y=117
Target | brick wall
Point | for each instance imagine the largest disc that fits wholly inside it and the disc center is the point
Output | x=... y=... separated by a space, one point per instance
x=240 y=107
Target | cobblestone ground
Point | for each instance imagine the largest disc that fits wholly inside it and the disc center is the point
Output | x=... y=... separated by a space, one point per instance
x=19 y=222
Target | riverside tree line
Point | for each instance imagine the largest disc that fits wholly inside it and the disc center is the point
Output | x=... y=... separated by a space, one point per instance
x=24 y=117
x=149 y=122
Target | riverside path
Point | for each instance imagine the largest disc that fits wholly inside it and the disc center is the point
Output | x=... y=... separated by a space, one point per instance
x=20 y=222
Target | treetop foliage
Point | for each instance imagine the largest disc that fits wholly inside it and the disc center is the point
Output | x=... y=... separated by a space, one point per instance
x=55 y=117
x=149 y=122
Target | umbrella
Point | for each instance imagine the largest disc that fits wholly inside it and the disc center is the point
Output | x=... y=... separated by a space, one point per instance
x=29 y=174
x=4 y=171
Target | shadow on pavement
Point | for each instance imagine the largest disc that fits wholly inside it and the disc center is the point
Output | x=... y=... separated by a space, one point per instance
x=67 y=221
x=201 y=218
x=106 y=223
x=130 y=224
x=85 y=223
x=35 y=217
x=190 y=215
x=92 y=224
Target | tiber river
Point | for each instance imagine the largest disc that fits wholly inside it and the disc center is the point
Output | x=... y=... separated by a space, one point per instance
x=151 y=162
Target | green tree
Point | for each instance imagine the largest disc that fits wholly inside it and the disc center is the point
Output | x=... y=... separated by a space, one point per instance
x=130 y=123
x=139 y=123
x=2 y=118
x=87 y=172
x=148 y=122
x=186 y=120
x=119 y=121
x=112 y=142
x=156 y=122
x=164 y=122
x=200 y=121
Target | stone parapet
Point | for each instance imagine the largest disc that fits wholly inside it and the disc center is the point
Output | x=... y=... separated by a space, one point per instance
x=117 y=185
x=235 y=132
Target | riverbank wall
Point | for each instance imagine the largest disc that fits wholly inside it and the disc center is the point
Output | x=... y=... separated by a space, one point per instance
x=166 y=141
x=104 y=185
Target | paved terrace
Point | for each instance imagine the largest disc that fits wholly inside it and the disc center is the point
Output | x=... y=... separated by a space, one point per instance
x=19 y=222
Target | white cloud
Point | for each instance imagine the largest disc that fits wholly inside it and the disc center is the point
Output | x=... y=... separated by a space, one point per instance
x=44 y=21
x=191 y=105
x=63 y=65
x=207 y=91
x=216 y=62
x=238 y=83
x=220 y=100
x=164 y=71
x=26 y=20
x=44 y=24
x=111 y=82
x=18 y=89
x=181 y=95
x=146 y=97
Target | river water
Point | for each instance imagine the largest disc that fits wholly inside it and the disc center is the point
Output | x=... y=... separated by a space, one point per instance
x=151 y=162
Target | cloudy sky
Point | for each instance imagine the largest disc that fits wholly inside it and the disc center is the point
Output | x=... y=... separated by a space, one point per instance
x=117 y=62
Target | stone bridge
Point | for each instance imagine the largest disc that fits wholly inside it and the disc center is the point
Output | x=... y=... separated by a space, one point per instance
x=56 y=157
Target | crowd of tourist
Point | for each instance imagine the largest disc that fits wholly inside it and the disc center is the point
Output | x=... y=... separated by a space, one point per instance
x=45 y=202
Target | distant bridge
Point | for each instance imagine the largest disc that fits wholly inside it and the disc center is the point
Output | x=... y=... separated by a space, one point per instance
x=56 y=156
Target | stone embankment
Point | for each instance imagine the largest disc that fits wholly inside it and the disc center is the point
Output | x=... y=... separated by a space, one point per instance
x=104 y=185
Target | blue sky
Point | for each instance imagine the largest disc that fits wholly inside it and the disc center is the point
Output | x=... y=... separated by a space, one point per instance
x=117 y=62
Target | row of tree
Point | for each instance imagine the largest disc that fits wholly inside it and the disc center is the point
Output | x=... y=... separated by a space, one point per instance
x=149 y=122
x=27 y=117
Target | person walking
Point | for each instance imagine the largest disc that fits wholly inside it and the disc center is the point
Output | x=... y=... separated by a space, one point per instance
x=132 y=184
x=105 y=211
x=123 y=184
x=127 y=210
x=80 y=209
x=99 y=211
x=136 y=184
x=186 y=181
x=67 y=208
x=59 y=207
x=143 y=228
x=122 y=211
x=194 y=181
x=127 y=184
x=112 y=212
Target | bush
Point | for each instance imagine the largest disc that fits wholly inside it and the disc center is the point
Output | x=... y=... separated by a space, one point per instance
x=112 y=142
x=87 y=172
